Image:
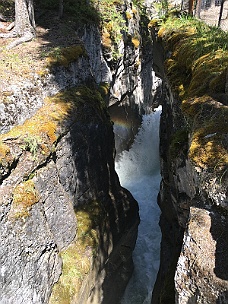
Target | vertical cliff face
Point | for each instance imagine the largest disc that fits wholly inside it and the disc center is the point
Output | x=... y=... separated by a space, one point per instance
x=193 y=222
x=193 y=194
x=68 y=228
x=57 y=177
x=62 y=207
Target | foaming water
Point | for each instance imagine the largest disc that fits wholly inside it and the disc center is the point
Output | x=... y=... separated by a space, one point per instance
x=138 y=170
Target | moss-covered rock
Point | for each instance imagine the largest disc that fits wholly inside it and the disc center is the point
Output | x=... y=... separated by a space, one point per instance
x=24 y=196
x=79 y=257
x=65 y=56
x=197 y=71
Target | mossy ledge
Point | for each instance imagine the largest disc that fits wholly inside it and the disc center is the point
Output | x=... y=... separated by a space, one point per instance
x=197 y=72
x=40 y=133
x=78 y=258
x=64 y=56
x=24 y=196
x=37 y=138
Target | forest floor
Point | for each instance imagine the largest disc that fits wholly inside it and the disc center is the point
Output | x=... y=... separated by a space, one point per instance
x=52 y=34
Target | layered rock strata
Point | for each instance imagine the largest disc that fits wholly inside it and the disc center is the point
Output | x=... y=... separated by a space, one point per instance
x=62 y=207
x=193 y=193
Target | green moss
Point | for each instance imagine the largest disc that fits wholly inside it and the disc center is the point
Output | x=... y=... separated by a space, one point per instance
x=197 y=72
x=39 y=134
x=24 y=196
x=209 y=124
x=104 y=89
x=65 y=56
x=153 y=23
x=31 y=144
x=199 y=52
x=42 y=127
x=78 y=258
x=211 y=68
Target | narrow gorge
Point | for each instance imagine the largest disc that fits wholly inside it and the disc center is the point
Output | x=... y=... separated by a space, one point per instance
x=113 y=159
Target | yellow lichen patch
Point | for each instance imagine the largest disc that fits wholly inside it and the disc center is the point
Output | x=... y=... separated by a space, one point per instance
x=39 y=134
x=209 y=130
x=106 y=40
x=42 y=127
x=134 y=10
x=128 y=15
x=207 y=151
x=5 y=155
x=78 y=257
x=154 y=23
x=135 y=42
x=24 y=196
x=64 y=56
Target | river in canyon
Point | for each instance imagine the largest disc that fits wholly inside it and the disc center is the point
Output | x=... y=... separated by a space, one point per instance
x=139 y=172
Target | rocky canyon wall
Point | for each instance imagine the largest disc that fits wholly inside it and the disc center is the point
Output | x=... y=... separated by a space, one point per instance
x=193 y=193
x=64 y=216
x=68 y=228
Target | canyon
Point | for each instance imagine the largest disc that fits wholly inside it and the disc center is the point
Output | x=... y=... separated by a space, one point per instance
x=68 y=227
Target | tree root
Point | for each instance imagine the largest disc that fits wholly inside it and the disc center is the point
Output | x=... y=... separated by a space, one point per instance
x=10 y=26
x=8 y=35
x=25 y=38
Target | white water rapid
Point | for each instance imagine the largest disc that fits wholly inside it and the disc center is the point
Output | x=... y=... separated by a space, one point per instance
x=138 y=170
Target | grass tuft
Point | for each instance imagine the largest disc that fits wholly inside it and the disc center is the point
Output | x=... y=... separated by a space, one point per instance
x=197 y=71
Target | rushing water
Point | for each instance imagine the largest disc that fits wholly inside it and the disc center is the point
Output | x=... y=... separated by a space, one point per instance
x=138 y=170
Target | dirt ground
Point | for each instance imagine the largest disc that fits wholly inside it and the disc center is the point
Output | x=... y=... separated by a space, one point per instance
x=51 y=35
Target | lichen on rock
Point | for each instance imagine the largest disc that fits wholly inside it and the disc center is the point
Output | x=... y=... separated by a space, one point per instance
x=194 y=158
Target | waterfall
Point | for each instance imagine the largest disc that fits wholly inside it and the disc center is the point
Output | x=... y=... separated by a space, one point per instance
x=138 y=171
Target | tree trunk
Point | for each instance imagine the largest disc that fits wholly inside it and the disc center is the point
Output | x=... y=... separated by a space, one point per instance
x=24 y=18
x=190 y=7
x=220 y=13
x=198 y=8
x=24 y=26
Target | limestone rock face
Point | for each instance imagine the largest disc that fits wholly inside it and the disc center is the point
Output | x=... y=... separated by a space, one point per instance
x=201 y=274
x=68 y=228
x=193 y=201
x=41 y=193
x=22 y=100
